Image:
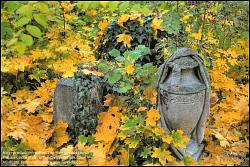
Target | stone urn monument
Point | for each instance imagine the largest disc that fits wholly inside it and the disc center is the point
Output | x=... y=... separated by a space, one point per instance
x=183 y=99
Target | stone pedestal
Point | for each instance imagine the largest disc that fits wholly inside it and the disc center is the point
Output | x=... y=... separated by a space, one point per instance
x=78 y=103
x=64 y=100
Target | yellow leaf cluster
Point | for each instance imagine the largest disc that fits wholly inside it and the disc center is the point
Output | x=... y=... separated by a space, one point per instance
x=152 y=117
x=46 y=91
x=197 y=35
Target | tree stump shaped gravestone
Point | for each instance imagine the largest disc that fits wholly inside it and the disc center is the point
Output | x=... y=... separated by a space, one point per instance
x=183 y=98
x=77 y=101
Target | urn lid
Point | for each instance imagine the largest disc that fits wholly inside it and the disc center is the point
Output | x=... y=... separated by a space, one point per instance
x=183 y=79
x=183 y=63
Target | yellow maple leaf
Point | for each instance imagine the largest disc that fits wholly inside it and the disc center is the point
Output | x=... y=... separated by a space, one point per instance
x=152 y=164
x=103 y=25
x=158 y=131
x=93 y=72
x=125 y=38
x=47 y=117
x=60 y=135
x=152 y=116
x=188 y=29
x=163 y=155
x=46 y=90
x=35 y=142
x=108 y=123
x=156 y=25
x=67 y=6
x=30 y=106
x=150 y=94
x=130 y=69
x=18 y=130
x=197 y=35
x=168 y=139
x=132 y=143
x=92 y=13
x=99 y=154
x=185 y=18
x=122 y=19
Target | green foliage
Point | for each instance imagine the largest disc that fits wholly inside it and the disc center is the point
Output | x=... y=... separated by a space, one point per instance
x=172 y=23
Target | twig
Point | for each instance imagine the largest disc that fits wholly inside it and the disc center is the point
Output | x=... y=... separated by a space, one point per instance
x=202 y=26
x=64 y=22
x=177 y=36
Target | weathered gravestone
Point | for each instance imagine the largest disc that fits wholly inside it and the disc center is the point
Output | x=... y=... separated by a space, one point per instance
x=77 y=101
x=183 y=98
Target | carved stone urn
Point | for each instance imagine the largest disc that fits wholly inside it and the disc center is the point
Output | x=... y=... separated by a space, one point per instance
x=183 y=98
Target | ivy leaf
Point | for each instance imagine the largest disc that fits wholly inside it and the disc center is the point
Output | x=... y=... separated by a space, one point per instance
x=146 y=152
x=27 y=39
x=114 y=76
x=34 y=31
x=41 y=19
x=114 y=53
x=23 y=21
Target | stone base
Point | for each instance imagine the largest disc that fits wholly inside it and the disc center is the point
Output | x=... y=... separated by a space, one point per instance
x=197 y=155
x=192 y=149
